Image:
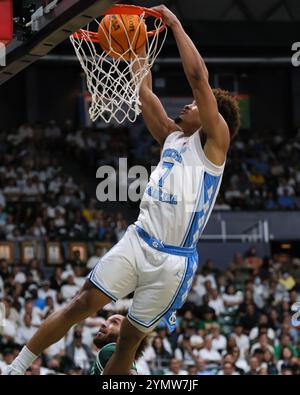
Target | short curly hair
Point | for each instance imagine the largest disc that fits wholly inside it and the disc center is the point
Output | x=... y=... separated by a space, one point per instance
x=229 y=109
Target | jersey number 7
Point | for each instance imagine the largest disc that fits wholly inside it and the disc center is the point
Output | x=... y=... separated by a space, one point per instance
x=168 y=166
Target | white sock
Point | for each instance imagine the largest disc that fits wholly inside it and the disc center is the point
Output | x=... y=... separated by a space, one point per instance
x=23 y=360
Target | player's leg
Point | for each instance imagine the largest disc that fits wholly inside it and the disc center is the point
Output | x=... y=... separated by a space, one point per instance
x=129 y=340
x=89 y=300
x=113 y=278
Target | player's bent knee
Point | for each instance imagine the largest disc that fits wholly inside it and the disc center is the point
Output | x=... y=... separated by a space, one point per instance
x=129 y=335
x=79 y=307
x=87 y=302
x=76 y=307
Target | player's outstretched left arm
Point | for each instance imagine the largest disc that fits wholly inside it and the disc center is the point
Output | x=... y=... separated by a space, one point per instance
x=154 y=114
x=214 y=126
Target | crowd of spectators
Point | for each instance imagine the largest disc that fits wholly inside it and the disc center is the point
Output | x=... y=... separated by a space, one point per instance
x=235 y=321
x=39 y=199
x=262 y=173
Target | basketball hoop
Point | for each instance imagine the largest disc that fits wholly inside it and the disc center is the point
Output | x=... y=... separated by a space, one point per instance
x=114 y=78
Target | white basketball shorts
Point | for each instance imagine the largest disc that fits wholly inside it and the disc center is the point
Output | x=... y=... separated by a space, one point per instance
x=160 y=277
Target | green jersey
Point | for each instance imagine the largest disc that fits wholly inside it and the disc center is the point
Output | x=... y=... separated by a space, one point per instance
x=103 y=357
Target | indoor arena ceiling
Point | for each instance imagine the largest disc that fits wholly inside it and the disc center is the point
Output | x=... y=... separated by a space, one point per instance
x=232 y=10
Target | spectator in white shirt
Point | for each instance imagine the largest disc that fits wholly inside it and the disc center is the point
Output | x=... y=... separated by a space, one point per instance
x=57 y=348
x=284 y=187
x=7 y=329
x=55 y=185
x=232 y=297
x=50 y=306
x=34 y=312
x=30 y=191
x=228 y=370
x=34 y=270
x=205 y=284
x=188 y=346
x=39 y=229
x=254 y=366
x=175 y=368
x=46 y=291
x=59 y=219
x=93 y=260
x=263 y=326
x=79 y=278
x=161 y=330
x=9 y=226
x=219 y=342
x=194 y=296
x=242 y=340
x=142 y=367
x=239 y=360
x=25 y=130
x=70 y=288
x=216 y=302
x=26 y=331
x=262 y=344
x=260 y=293
x=190 y=333
x=8 y=357
x=78 y=352
x=19 y=276
x=12 y=191
x=210 y=355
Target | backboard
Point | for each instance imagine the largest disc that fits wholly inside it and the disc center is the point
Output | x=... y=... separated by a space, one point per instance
x=40 y=25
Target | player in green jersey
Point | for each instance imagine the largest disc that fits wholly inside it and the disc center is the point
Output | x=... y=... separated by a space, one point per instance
x=106 y=339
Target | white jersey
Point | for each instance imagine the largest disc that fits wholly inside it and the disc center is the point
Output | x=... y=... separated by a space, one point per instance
x=181 y=193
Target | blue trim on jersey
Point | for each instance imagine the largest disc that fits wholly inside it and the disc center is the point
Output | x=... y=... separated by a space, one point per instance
x=192 y=215
x=165 y=311
x=205 y=202
x=160 y=246
x=170 y=315
x=172 y=153
x=191 y=264
x=91 y=278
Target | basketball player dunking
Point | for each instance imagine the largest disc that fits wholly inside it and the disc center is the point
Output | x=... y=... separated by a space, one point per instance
x=157 y=258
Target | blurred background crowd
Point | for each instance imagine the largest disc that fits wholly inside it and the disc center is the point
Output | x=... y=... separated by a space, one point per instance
x=235 y=321
x=39 y=197
x=52 y=197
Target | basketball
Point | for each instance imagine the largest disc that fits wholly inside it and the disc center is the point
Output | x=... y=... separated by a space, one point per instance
x=122 y=35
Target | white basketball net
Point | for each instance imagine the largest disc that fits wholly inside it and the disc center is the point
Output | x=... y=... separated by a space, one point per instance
x=112 y=83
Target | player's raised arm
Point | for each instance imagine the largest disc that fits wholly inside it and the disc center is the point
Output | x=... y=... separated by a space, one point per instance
x=154 y=114
x=214 y=126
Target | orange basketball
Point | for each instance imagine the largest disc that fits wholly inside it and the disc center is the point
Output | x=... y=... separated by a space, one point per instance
x=122 y=35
